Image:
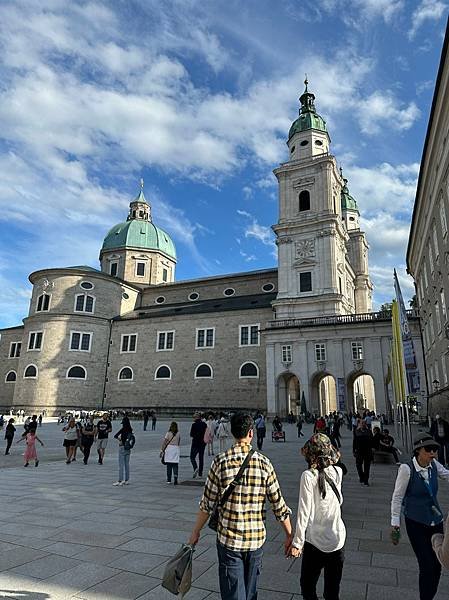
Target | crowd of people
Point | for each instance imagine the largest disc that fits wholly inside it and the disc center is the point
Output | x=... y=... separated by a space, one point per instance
x=318 y=533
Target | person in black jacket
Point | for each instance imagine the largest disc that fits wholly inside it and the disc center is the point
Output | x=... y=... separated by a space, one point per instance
x=124 y=452
x=363 y=451
x=197 y=432
x=439 y=430
x=9 y=434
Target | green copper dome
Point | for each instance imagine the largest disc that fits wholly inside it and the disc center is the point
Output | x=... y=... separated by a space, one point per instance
x=138 y=231
x=347 y=201
x=139 y=234
x=308 y=117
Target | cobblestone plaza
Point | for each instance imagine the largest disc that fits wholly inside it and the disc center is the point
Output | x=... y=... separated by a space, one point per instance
x=66 y=532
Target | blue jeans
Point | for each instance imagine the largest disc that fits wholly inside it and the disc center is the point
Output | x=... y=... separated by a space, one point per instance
x=123 y=463
x=238 y=572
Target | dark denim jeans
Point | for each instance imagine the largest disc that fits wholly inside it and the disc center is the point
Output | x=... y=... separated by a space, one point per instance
x=197 y=450
x=420 y=537
x=238 y=572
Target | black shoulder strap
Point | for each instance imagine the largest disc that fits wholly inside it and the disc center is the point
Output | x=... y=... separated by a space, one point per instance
x=237 y=479
x=333 y=486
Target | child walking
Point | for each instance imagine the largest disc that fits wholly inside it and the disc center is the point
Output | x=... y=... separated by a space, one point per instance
x=30 y=450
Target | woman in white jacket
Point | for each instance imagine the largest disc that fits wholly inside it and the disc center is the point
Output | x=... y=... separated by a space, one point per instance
x=320 y=532
x=170 y=452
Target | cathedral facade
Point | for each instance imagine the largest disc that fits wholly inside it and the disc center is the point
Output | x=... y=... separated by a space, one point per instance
x=130 y=336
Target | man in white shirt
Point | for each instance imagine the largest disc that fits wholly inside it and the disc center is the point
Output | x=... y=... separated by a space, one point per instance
x=416 y=490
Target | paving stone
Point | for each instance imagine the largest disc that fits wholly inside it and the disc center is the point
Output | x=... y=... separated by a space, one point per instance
x=151 y=547
x=65 y=548
x=160 y=593
x=42 y=568
x=137 y=562
x=18 y=555
x=126 y=586
x=100 y=556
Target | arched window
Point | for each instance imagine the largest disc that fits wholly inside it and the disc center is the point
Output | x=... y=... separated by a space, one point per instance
x=249 y=369
x=204 y=371
x=126 y=374
x=43 y=303
x=304 y=201
x=30 y=372
x=76 y=372
x=163 y=372
x=11 y=377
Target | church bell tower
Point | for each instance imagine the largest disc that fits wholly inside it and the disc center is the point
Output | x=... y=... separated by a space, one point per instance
x=313 y=277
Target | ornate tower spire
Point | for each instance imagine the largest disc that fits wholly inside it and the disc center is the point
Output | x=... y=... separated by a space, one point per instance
x=307 y=100
x=139 y=207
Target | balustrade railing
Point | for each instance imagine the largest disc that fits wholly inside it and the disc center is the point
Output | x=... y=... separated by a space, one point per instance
x=338 y=319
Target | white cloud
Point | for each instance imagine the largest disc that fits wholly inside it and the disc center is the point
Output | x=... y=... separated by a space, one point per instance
x=428 y=10
x=382 y=107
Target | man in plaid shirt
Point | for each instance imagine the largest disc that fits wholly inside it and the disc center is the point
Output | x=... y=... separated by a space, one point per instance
x=241 y=527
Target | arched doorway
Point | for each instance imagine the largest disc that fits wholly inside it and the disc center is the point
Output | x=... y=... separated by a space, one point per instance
x=324 y=393
x=287 y=394
x=361 y=392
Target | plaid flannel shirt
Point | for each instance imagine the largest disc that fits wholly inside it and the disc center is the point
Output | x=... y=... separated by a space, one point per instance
x=241 y=524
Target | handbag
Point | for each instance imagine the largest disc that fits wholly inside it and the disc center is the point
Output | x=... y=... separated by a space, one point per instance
x=162 y=454
x=213 y=521
x=177 y=577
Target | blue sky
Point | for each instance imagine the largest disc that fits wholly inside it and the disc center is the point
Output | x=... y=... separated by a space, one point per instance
x=197 y=98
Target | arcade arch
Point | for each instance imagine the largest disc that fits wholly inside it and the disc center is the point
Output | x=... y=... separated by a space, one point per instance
x=361 y=392
x=287 y=394
x=324 y=393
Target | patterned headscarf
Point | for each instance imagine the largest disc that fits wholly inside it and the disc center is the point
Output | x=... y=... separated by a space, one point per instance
x=319 y=452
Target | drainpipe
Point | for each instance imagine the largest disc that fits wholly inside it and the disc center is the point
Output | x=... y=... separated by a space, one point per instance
x=107 y=365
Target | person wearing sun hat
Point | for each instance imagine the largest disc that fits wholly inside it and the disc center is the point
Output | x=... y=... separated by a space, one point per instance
x=320 y=532
x=415 y=491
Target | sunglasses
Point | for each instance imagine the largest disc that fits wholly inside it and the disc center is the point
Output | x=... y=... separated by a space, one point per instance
x=431 y=448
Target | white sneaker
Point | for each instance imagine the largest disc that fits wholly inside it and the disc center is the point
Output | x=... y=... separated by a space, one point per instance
x=195 y=473
x=125 y=482
x=118 y=483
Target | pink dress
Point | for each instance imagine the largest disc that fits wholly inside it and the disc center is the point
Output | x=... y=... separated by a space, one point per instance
x=30 y=450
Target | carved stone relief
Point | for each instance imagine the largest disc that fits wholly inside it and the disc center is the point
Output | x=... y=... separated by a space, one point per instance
x=305 y=248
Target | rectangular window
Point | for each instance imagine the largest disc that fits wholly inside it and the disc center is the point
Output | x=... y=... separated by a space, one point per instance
x=14 y=349
x=437 y=316
x=35 y=340
x=287 y=354
x=249 y=335
x=84 y=303
x=435 y=242
x=320 y=352
x=426 y=282
x=357 y=350
x=444 y=369
x=205 y=338
x=443 y=219
x=80 y=340
x=165 y=340
x=43 y=302
x=432 y=265
x=129 y=343
x=114 y=269
x=443 y=305
x=140 y=269
x=305 y=282
x=164 y=275
x=340 y=287
x=431 y=331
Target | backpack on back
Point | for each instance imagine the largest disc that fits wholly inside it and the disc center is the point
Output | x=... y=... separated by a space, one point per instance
x=130 y=442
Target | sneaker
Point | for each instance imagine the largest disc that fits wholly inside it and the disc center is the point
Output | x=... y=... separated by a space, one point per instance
x=366 y=483
x=195 y=473
x=118 y=483
x=125 y=482
x=169 y=482
x=67 y=462
x=100 y=462
x=398 y=463
x=36 y=464
x=25 y=465
x=175 y=482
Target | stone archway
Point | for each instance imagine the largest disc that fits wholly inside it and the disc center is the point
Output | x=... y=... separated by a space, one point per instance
x=287 y=394
x=324 y=393
x=361 y=391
